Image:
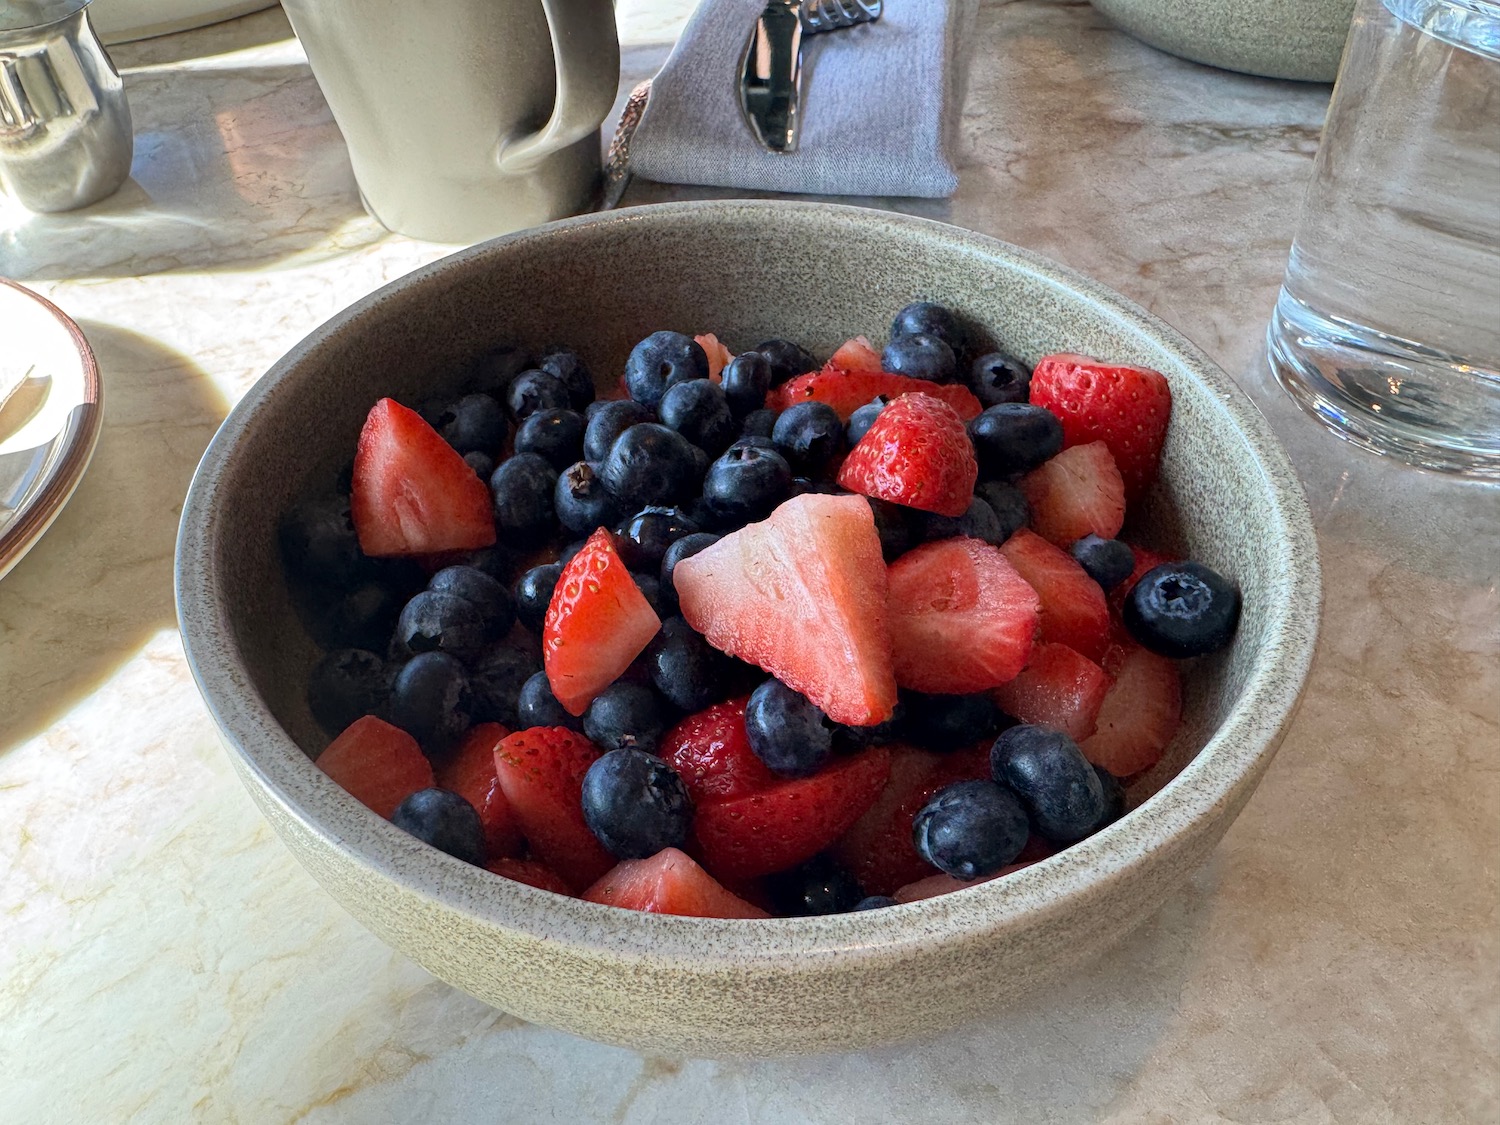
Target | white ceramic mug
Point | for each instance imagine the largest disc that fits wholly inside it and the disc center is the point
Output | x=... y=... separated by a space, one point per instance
x=466 y=119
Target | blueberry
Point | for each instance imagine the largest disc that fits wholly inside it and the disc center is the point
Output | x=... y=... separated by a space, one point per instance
x=1114 y=798
x=1014 y=437
x=348 y=684
x=895 y=526
x=950 y=722
x=698 y=410
x=893 y=729
x=635 y=804
x=607 y=424
x=804 y=486
x=863 y=418
x=536 y=390
x=810 y=437
x=494 y=372
x=554 y=434
x=495 y=682
x=650 y=464
x=440 y=622
x=581 y=501
x=521 y=490
x=361 y=618
x=498 y=562
x=536 y=706
x=787 y=360
x=482 y=464
x=661 y=360
x=533 y=594
x=318 y=542
x=597 y=406
x=642 y=540
x=430 y=701
x=662 y=602
x=822 y=885
x=473 y=424
x=1107 y=561
x=755 y=441
x=759 y=424
x=1008 y=503
x=625 y=716
x=923 y=318
x=565 y=556
x=747 y=483
x=787 y=731
x=1054 y=780
x=978 y=522
x=1182 y=609
x=875 y=902
x=445 y=820
x=483 y=590
x=997 y=378
x=921 y=357
x=683 y=548
x=568 y=366
x=685 y=668
x=970 y=829
x=746 y=379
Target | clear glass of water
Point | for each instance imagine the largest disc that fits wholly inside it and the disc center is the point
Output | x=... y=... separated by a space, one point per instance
x=1387 y=326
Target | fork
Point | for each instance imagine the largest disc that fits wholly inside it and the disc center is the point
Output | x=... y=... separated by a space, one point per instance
x=833 y=15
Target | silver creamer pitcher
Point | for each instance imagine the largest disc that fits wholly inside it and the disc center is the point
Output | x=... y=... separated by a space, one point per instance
x=65 y=135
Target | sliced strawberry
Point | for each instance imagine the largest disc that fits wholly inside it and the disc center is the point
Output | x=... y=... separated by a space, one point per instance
x=940 y=884
x=471 y=774
x=377 y=764
x=669 y=883
x=846 y=392
x=718 y=355
x=856 y=355
x=1079 y=492
x=541 y=771
x=1074 y=612
x=711 y=753
x=412 y=493
x=1145 y=559
x=1058 y=688
x=1127 y=408
x=802 y=595
x=792 y=821
x=962 y=619
x=530 y=872
x=597 y=623
x=1140 y=714
x=916 y=453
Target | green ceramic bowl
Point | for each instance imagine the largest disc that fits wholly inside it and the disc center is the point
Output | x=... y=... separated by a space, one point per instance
x=746 y=271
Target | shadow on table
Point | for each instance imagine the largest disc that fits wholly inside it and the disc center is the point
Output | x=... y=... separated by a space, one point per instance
x=99 y=584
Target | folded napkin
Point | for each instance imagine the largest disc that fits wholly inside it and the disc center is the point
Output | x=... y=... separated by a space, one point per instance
x=878 y=109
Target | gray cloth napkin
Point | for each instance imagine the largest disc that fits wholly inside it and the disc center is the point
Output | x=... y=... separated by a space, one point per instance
x=878 y=106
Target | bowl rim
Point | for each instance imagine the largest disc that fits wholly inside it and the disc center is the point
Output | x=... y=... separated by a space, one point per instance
x=1244 y=741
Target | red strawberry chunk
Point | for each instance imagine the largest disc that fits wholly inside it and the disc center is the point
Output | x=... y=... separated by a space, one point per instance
x=854 y=355
x=597 y=623
x=541 y=771
x=940 y=884
x=471 y=774
x=1074 y=612
x=1145 y=559
x=412 y=492
x=1058 y=688
x=378 y=764
x=917 y=453
x=1140 y=713
x=530 y=872
x=962 y=619
x=669 y=883
x=1079 y=492
x=802 y=595
x=780 y=827
x=1127 y=408
x=846 y=392
x=711 y=752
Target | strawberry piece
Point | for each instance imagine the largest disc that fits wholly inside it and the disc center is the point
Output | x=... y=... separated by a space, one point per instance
x=1127 y=408
x=941 y=884
x=412 y=492
x=1079 y=492
x=669 y=883
x=1140 y=714
x=916 y=453
x=597 y=623
x=1058 y=688
x=847 y=392
x=962 y=619
x=471 y=774
x=1074 y=612
x=718 y=355
x=541 y=771
x=780 y=827
x=378 y=764
x=1145 y=559
x=854 y=355
x=530 y=872
x=802 y=595
x=711 y=753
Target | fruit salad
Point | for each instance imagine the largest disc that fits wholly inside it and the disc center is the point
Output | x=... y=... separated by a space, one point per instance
x=761 y=636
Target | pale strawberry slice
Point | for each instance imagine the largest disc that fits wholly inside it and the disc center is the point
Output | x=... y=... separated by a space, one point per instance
x=803 y=596
x=1058 y=688
x=1074 y=612
x=530 y=872
x=962 y=619
x=378 y=764
x=916 y=453
x=471 y=774
x=856 y=355
x=412 y=492
x=940 y=884
x=718 y=355
x=846 y=392
x=669 y=883
x=1079 y=492
x=1140 y=714
x=541 y=771
x=597 y=623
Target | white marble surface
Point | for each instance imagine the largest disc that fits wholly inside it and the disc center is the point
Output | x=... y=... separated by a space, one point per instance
x=162 y=958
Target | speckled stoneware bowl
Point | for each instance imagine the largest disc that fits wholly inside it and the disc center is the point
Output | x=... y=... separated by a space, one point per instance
x=746 y=271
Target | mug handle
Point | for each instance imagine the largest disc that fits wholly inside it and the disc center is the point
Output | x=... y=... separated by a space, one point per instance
x=586 y=48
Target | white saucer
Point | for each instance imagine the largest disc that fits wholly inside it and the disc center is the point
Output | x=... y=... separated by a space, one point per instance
x=121 y=21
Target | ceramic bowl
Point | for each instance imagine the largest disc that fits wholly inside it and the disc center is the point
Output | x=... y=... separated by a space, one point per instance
x=746 y=271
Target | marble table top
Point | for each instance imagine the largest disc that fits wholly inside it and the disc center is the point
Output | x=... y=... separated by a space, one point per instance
x=163 y=958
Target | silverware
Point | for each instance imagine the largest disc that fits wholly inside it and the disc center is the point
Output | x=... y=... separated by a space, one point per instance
x=771 y=76
x=835 y=15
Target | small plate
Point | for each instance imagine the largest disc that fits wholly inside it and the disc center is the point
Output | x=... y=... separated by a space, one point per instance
x=51 y=407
